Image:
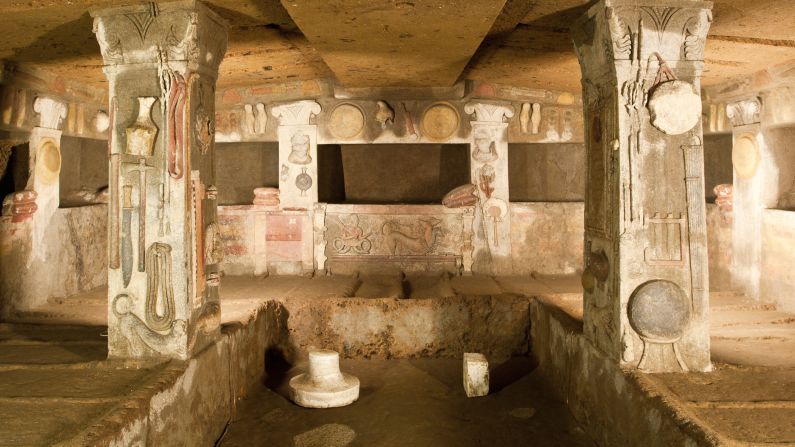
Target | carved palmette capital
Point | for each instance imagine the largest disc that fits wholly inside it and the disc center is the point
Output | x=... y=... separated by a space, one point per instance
x=489 y=112
x=170 y=32
x=744 y=112
x=295 y=113
x=50 y=111
x=636 y=29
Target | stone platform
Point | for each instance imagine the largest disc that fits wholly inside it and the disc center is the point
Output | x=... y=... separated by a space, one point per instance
x=48 y=368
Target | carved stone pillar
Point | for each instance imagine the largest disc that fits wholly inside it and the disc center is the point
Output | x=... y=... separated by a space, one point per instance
x=645 y=278
x=45 y=168
x=162 y=61
x=489 y=171
x=753 y=183
x=297 y=154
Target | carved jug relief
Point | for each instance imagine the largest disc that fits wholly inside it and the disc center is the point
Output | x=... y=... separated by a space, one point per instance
x=142 y=133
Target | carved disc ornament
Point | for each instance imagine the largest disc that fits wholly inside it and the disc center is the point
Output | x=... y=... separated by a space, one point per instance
x=48 y=162
x=346 y=121
x=440 y=121
x=674 y=107
x=659 y=311
x=745 y=156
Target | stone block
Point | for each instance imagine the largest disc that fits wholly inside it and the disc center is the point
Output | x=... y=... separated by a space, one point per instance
x=476 y=374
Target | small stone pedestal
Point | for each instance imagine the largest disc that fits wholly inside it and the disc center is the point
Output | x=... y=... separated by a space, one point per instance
x=476 y=374
x=324 y=386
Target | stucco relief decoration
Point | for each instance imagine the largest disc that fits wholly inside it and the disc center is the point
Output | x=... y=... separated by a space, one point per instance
x=51 y=112
x=303 y=181
x=142 y=133
x=462 y=196
x=213 y=245
x=486 y=179
x=48 y=162
x=744 y=112
x=674 y=106
x=295 y=114
x=746 y=156
x=488 y=113
x=440 y=121
x=204 y=130
x=695 y=32
x=299 y=149
x=385 y=114
x=659 y=312
x=485 y=146
x=352 y=238
x=346 y=121
x=621 y=36
x=495 y=210
x=174 y=84
x=140 y=339
x=160 y=305
x=420 y=240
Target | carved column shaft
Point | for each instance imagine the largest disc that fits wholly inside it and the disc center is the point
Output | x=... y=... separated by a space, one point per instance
x=45 y=168
x=753 y=180
x=164 y=248
x=297 y=154
x=645 y=279
x=489 y=172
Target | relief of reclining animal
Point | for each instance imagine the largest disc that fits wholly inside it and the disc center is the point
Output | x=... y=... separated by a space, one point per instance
x=352 y=237
x=423 y=240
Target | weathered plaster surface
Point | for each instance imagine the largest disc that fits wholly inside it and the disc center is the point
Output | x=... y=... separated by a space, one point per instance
x=719 y=246
x=547 y=238
x=75 y=240
x=393 y=328
x=778 y=259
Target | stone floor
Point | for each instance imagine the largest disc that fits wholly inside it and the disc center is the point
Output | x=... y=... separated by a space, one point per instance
x=413 y=403
x=54 y=379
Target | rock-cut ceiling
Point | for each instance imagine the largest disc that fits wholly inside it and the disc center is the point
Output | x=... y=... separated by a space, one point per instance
x=362 y=43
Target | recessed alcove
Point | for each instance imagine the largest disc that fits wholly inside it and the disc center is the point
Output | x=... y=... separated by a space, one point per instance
x=380 y=174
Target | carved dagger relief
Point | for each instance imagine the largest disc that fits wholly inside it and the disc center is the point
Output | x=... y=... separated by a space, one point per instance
x=126 y=234
x=141 y=169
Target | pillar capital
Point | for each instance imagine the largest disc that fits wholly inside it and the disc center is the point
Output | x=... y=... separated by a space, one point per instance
x=296 y=113
x=51 y=112
x=744 y=111
x=185 y=34
x=489 y=112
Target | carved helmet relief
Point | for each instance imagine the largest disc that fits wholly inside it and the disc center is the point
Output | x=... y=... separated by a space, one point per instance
x=300 y=146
